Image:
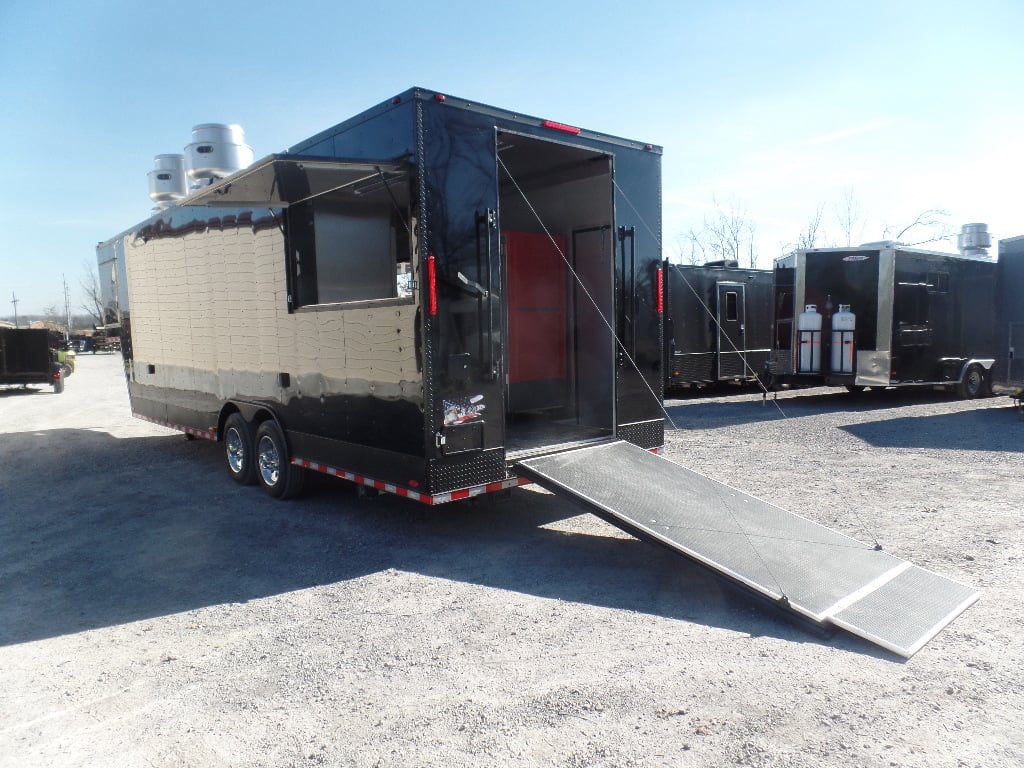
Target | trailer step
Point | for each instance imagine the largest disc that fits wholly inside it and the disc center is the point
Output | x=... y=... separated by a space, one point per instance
x=802 y=566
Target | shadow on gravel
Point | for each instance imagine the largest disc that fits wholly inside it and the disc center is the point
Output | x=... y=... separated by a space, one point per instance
x=718 y=413
x=40 y=389
x=100 y=531
x=984 y=429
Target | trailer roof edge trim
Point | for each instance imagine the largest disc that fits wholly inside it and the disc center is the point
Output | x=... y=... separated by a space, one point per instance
x=278 y=181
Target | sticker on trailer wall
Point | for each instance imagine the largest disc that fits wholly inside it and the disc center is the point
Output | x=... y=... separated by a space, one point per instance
x=463 y=410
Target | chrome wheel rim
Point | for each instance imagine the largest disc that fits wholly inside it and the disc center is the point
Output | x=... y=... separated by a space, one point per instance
x=269 y=461
x=235 y=450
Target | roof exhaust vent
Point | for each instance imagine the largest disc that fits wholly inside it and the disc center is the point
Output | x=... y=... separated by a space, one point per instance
x=167 y=182
x=216 y=151
x=974 y=240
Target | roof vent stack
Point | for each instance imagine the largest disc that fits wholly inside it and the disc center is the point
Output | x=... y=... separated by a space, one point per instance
x=974 y=241
x=167 y=182
x=216 y=151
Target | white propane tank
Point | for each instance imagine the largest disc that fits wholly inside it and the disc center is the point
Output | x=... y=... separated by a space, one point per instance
x=167 y=181
x=808 y=327
x=844 y=322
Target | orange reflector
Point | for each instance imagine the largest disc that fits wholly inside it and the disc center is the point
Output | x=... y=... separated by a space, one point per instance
x=561 y=127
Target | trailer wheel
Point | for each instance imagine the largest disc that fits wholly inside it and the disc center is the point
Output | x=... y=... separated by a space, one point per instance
x=238 y=449
x=275 y=472
x=973 y=383
x=855 y=389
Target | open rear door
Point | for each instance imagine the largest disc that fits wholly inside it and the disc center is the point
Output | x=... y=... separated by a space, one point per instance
x=802 y=566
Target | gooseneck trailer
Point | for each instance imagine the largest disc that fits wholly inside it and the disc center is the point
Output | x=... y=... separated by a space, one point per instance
x=881 y=316
x=439 y=299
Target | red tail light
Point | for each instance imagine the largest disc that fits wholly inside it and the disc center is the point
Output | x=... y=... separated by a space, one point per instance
x=660 y=290
x=555 y=126
x=431 y=286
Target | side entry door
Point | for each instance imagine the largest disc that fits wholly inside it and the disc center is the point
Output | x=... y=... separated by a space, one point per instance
x=731 y=315
x=1016 y=356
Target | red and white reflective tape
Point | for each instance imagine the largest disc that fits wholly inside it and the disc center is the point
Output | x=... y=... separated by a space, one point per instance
x=408 y=493
x=204 y=434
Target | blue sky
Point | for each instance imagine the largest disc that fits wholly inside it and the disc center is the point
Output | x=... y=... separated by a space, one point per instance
x=769 y=109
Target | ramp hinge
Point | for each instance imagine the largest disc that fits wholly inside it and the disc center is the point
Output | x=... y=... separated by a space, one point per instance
x=438 y=440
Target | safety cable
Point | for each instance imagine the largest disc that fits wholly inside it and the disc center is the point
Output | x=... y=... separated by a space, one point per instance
x=874 y=539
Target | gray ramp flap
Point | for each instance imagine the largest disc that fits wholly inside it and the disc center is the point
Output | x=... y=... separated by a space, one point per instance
x=819 y=573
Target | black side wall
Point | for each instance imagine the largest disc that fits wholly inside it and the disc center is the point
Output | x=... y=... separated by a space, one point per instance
x=1008 y=371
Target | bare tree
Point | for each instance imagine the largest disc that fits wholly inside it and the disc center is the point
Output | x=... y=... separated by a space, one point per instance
x=729 y=232
x=92 y=301
x=935 y=221
x=849 y=216
x=691 y=247
x=809 y=237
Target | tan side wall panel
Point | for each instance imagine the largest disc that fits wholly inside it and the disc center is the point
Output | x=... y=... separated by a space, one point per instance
x=209 y=311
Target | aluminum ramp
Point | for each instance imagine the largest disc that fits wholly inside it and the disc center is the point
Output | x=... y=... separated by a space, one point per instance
x=805 y=567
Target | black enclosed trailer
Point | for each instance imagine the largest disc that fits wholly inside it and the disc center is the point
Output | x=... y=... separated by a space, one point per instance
x=1008 y=371
x=718 y=323
x=439 y=299
x=29 y=356
x=883 y=315
x=414 y=298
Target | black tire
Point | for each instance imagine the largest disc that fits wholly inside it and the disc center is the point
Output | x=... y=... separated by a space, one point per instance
x=973 y=384
x=274 y=470
x=855 y=389
x=239 y=450
x=58 y=385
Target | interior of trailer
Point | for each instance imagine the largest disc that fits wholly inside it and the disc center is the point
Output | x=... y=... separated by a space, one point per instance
x=555 y=216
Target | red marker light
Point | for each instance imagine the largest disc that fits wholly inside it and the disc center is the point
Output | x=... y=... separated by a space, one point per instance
x=431 y=286
x=660 y=290
x=555 y=126
x=438 y=97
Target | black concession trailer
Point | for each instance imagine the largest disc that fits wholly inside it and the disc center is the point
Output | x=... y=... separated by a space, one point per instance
x=29 y=356
x=718 y=323
x=1008 y=371
x=883 y=315
x=414 y=297
x=439 y=299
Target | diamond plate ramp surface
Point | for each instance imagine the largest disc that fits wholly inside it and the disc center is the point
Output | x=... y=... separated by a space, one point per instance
x=819 y=573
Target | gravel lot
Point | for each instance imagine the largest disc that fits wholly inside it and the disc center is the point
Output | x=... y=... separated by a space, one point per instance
x=152 y=613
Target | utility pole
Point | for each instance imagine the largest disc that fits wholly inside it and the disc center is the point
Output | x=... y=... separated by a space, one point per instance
x=14 y=301
x=67 y=308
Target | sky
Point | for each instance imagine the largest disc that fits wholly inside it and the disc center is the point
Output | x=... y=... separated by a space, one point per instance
x=772 y=111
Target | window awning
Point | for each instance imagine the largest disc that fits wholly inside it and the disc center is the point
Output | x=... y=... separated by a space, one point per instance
x=278 y=181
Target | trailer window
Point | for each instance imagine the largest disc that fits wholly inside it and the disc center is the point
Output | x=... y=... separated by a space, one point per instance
x=732 y=313
x=344 y=248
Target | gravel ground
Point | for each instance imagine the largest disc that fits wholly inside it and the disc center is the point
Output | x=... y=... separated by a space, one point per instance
x=154 y=614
